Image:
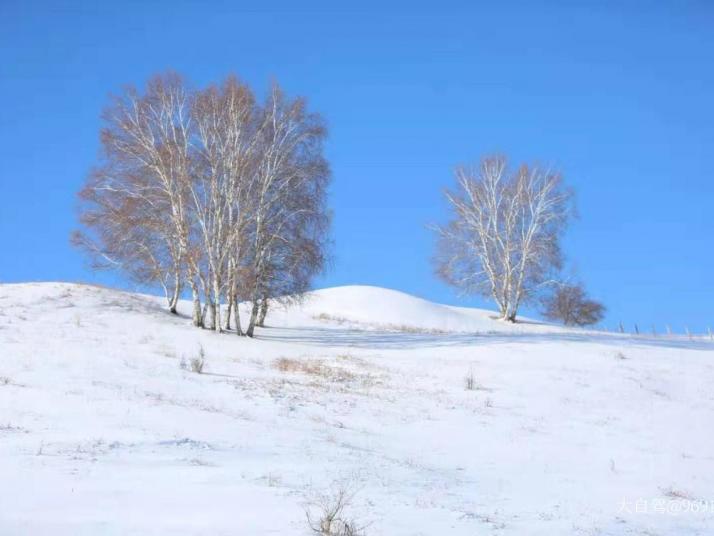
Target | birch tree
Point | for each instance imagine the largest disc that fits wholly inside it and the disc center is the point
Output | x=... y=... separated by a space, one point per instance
x=209 y=190
x=226 y=145
x=503 y=240
x=134 y=203
x=290 y=219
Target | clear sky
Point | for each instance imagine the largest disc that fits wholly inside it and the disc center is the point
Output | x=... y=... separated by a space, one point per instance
x=619 y=98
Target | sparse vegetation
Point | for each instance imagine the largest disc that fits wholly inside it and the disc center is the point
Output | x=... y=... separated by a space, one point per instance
x=570 y=305
x=329 y=514
x=674 y=493
x=9 y=427
x=400 y=328
x=196 y=363
x=313 y=367
x=470 y=381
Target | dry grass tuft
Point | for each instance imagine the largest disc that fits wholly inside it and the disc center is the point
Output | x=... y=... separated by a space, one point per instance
x=399 y=328
x=673 y=493
x=470 y=380
x=195 y=364
x=313 y=367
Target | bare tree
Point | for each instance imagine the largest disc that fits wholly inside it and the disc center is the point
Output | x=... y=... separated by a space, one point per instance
x=290 y=218
x=209 y=190
x=570 y=305
x=225 y=149
x=504 y=238
x=134 y=204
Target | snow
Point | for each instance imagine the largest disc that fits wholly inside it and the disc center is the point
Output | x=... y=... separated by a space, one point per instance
x=393 y=310
x=568 y=431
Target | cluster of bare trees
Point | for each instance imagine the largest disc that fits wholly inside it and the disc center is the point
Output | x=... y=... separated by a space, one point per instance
x=503 y=240
x=211 y=191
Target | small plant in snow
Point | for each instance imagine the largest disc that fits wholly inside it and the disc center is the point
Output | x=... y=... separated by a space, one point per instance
x=328 y=514
x=470 y=381
x=199 y=361
x=196 y=364
x=674 y=493
x=314 y=367
x=9 y=427
x=272 y=480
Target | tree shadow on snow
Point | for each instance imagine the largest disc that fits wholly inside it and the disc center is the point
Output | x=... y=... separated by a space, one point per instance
x=346 y=337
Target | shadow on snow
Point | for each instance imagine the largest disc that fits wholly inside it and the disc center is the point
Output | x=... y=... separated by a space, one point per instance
x=356 y=338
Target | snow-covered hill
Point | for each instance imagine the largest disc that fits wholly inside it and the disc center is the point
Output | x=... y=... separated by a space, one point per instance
x=102 y=431
x=380 y=308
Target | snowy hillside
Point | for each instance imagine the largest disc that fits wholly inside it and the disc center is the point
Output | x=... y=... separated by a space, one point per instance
x=380 y=308
x=103 y=431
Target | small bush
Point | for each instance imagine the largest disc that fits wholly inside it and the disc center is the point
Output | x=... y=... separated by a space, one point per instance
x=570 y=305
x=329 y=515
x=195 y=364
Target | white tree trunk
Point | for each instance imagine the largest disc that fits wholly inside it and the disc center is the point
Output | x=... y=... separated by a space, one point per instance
x=236 y=315
x=197 y=315
x=263 y=312
x=253 y=317
x=216 y=305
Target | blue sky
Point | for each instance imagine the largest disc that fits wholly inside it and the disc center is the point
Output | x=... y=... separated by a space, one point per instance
x=619 y=98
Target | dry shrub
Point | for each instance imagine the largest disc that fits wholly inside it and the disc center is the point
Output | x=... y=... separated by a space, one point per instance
x=470 y=380
x=195 y=364
x=328 y=514
x=673 y=493
x=324 y=317
x=313 y=367
x=285 y=364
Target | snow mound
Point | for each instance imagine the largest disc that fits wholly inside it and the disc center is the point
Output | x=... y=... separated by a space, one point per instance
x=378 y=307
